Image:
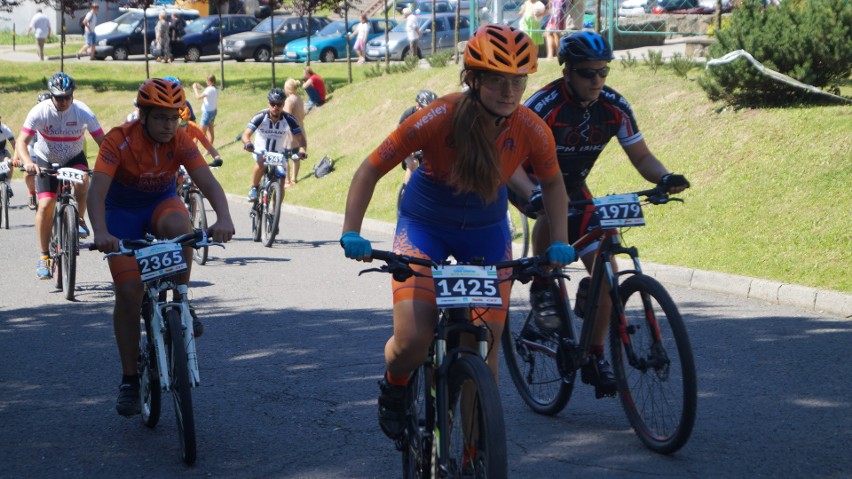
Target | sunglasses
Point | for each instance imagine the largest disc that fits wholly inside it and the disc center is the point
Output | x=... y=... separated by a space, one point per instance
x=63 y=98
x=589 y=73
x=276 y=104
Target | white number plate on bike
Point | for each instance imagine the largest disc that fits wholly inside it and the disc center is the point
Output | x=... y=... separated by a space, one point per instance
x=466 y=285
x=70 y=174
x=616 y=211
x=4 y=167
x=160 y=260
x=274 y=159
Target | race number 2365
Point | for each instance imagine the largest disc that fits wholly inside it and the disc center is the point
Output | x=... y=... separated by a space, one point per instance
x=160 y=260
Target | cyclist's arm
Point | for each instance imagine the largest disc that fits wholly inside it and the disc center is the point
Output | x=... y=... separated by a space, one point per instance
x=223 y=229
x=556 y=205
x=23 y=153
x=360 y=193
x=99 y=138
x=521 y=184
x=301 y=141
x=246 y=138
x=645 y=162
x=96 y=206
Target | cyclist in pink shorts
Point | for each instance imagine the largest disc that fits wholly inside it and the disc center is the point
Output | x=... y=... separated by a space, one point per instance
x=133 y=193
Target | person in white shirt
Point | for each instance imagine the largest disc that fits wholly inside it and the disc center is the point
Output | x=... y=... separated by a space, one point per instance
x=412 y=30
x=90 y=21
x=362 y=30
x=40 y=26
x=210 y=95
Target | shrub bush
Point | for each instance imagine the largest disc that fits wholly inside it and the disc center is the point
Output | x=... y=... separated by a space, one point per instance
x=808 y=40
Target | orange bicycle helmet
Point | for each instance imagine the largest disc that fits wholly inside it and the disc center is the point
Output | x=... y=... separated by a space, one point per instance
x=501 y=49
x=158 y=92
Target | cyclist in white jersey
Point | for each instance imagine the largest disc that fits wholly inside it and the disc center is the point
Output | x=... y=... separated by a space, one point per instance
x=271 y=127
x=61 y=125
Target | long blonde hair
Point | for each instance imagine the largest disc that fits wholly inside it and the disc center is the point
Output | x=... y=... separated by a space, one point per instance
x=477 y=165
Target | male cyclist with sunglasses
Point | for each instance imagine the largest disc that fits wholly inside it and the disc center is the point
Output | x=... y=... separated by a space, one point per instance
x=61 y=125
x=272 y=127
x=584 y=114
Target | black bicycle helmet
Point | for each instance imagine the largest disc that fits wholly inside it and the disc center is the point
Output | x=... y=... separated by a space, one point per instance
x=61 y=84
x=583 y=47
x=425 y=97
x=276 y=95
x=42 y=96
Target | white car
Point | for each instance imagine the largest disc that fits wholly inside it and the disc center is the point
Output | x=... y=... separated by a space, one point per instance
x=632 y=8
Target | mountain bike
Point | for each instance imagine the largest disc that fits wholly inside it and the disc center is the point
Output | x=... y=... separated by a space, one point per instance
x=64 y=244
x=455 y=421
x=168 y=360
x=194 y=201
x=648 y=342
x=5 y=192
x=266 y=209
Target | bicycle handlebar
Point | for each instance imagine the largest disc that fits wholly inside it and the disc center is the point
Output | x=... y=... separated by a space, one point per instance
x=196 y=239
x=523 y=269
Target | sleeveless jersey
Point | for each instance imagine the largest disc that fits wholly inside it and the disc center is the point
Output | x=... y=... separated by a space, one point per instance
x=272 y=135
x=582 y=133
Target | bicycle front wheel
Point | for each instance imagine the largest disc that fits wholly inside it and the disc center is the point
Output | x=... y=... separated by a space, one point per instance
x=4 y=203
x=658 y=387
x=198 y=217
x=271 y=214
x=149 y=373
x=534 y=360
x=417 y=444
x=476 y=432
x=55 y=246
x=70 y=244
x=181 y=392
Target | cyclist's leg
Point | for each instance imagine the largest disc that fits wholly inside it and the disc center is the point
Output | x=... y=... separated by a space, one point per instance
x=46 y=187
x=81 y=192
x=257 y=171
x=170 y=218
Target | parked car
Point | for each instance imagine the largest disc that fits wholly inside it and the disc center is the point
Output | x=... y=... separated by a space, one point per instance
x=329 y=44
x=665 y=6
x=127 y=37
x=398 y=40
x=256 y=44
x=201 y=36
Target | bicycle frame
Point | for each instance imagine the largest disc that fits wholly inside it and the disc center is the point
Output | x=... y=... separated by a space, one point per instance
x=155 y=291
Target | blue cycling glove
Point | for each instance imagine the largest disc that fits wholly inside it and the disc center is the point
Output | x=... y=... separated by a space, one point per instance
x=354 y=246
x=561 y=253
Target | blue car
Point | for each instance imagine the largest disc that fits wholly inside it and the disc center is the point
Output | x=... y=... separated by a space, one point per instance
x=201 y=35
x=329 y=44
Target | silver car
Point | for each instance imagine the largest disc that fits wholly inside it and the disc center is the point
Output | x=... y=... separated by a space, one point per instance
x=398 y=40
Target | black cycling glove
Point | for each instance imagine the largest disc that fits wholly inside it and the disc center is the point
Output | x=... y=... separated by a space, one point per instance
x=673 y=181
x=248 y=146
x=535 y=205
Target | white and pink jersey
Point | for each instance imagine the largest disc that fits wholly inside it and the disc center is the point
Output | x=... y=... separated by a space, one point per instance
x=61 y=133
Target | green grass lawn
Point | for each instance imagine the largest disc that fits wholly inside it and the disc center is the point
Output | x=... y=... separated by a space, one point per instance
x=770 y=192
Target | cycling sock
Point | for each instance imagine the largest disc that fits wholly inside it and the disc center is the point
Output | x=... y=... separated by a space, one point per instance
x=597 y=349
x=397 y=380
x=125 y=379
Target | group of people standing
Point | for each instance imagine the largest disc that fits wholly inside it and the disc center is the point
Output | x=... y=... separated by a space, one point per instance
x=166 y=34
x=564 y=16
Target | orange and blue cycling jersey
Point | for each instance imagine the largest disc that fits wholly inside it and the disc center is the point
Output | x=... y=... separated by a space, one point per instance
x=197 y=134
x=435 y=220
x=142 y=170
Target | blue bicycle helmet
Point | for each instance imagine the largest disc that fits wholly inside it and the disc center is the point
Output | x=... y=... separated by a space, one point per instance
x=172 y=79
x=61 y=84
x=276 y=95
x=583 y=47
x=425 y=97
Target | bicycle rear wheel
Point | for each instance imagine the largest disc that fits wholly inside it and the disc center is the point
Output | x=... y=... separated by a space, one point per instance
x=535 y=361
x=271 y=213
x=198 y=217
x=4 y=203
x=659 y=392
x=150 y=393
x=70 y=244
x=476 y=432
x=181 y=392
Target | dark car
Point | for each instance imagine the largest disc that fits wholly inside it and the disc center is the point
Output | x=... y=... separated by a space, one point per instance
x=127 y=37
x=201 y=35
x=255 y=43
x=664 y=6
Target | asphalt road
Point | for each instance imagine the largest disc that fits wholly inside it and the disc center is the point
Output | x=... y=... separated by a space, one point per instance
x=293 y=349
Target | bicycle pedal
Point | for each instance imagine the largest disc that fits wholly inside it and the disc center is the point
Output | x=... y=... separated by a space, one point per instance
x=602 y=392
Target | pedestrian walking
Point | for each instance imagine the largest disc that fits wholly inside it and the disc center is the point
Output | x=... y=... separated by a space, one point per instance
x=90 y=21
x=40 y=26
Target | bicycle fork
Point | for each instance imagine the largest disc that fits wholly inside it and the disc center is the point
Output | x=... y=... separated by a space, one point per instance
x=158 y=326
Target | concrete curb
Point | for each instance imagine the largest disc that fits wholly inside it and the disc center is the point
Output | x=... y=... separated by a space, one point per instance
x=774 y=292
